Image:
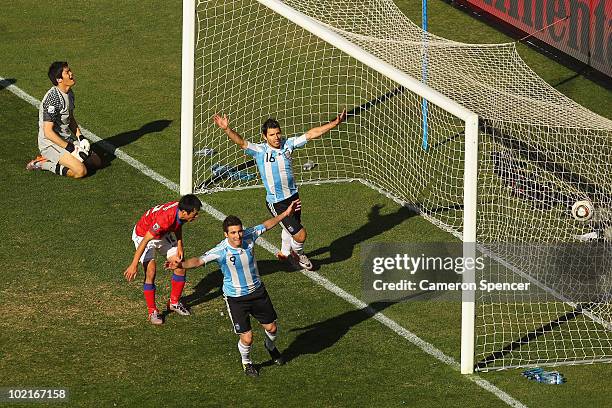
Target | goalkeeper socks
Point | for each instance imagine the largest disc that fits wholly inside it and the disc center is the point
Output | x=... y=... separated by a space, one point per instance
x=60 y=170
x=285 y=242
x=178 y=283
x=298 y=247
x=149 y=295
x=48 y=165
x=270 y=339
x=54 y=168
x=245 y=353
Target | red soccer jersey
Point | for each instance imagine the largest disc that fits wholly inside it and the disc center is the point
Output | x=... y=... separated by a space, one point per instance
x=159 y=220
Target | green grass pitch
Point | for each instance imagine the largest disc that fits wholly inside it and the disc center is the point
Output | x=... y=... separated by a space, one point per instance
x=69 y=319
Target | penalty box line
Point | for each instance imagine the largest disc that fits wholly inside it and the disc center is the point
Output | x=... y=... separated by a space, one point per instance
x=314 y=276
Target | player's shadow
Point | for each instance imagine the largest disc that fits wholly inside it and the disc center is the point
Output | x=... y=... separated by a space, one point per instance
x=106 y=148
x=5 y=83
x=319 y=336
x=342 y=248
x=209 y=287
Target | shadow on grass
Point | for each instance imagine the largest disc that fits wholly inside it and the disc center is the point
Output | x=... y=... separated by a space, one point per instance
x=5 y=83
x=531 y=336
x=319 y=336
x=106 y=148
x=342 y=248
x=209 y=287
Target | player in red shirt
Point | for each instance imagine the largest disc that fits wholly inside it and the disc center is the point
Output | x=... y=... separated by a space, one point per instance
x=160 y=230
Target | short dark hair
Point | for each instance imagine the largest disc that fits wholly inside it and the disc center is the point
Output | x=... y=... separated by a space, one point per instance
x=189 y=202
x=270 y=123
x=230 y=221
x=55 y=71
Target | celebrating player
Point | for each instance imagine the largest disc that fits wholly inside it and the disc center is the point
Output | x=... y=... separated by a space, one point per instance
x=243 y=290
x=273 y=160
x=160 y=229
x=63 y=149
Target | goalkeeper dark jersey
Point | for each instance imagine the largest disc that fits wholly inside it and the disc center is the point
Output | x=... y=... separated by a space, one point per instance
x=56 y=107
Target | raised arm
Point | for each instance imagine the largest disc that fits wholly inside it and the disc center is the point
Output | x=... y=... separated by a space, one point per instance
x=223 y=123
x=321 y=130
x=271 y=223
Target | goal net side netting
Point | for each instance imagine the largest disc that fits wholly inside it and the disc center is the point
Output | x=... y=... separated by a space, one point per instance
x=539 y=153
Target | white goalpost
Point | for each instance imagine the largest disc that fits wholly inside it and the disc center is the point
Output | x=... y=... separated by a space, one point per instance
x=501 y=166
x=187 y=90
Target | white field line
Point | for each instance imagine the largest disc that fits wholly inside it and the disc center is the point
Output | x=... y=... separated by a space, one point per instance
x=320 y=280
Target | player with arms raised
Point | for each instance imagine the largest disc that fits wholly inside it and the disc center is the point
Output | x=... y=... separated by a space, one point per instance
x=160 y=229
x=274 y=163
x=243 y=290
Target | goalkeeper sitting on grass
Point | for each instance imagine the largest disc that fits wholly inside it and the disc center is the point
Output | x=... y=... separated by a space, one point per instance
x=63 y=149
x=274 y=163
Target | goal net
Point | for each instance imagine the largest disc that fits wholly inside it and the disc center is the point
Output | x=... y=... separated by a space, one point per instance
x=538 y=152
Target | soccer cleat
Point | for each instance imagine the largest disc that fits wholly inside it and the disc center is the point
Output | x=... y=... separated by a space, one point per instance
x=178 y=308
x=36 y=164
x=302 y=260
x=250 y=370
x=155 y=319
x=276 y=355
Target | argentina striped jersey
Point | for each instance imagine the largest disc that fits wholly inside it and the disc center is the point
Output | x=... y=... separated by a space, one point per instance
x=275 y=167
x=238 y=265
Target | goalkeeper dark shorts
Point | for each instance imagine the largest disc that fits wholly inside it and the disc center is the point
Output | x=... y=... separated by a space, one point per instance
x=257 y=304
x=292 y=223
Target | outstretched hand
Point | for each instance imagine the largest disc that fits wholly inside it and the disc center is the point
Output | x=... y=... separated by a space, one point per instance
x=221 y=121
x=341 y=117
x=295 y=206
x=172 y=264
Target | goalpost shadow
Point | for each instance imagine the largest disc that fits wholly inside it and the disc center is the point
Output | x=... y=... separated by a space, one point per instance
x=530 y=336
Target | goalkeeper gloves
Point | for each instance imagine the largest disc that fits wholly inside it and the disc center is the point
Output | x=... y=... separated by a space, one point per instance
x=84 y=145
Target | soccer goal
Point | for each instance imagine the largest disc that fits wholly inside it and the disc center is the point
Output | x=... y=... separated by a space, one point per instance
x=506 y=158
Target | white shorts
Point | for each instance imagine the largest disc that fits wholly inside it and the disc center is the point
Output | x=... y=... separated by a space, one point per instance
x=166 y=246
x=53 y=153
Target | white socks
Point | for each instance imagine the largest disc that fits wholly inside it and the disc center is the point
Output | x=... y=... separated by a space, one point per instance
x=286 y=242
x=298 y=247
x=245 y=353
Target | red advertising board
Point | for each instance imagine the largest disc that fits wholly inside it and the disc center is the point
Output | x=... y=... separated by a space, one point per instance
x=580 y=28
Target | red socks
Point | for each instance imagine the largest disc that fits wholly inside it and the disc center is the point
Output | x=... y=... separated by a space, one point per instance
x=178 y=283
x=149 y=295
